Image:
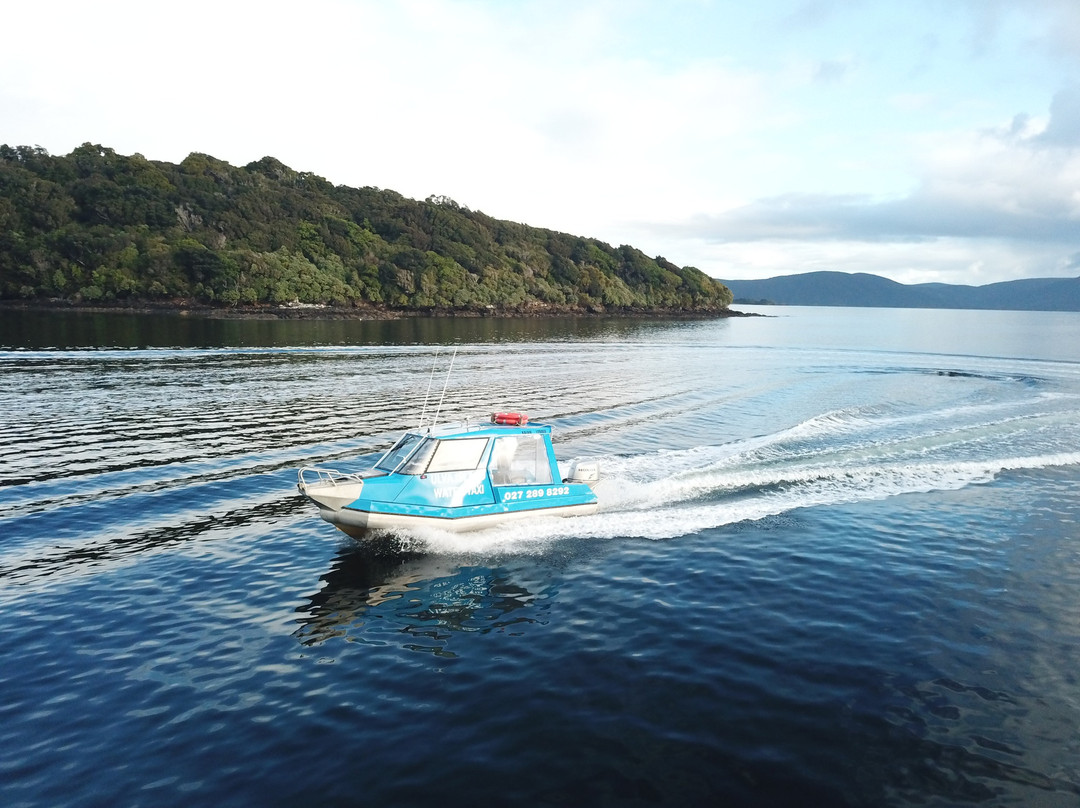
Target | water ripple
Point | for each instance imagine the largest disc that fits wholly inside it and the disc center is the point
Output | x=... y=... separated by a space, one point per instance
x=838 y=575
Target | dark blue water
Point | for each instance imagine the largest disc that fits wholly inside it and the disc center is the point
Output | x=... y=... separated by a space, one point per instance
x=837 y=563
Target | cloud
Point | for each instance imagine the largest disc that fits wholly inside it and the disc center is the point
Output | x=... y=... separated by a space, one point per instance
x=988 y=205
x=1064 y=126
x=831 y=71
x=815 y=13
x=920 y=217
x=813 y=217
x=942 y=208
x=1061 y=34
x=949 y=260
x=983 y=188
x=1052 y=26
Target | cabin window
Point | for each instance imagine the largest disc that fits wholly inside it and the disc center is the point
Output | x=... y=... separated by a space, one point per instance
x=418 y=463
x=457 y=455
x=399 y=452
x=520 y=460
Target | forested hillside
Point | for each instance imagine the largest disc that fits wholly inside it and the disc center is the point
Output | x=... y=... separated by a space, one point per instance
x=97 y=226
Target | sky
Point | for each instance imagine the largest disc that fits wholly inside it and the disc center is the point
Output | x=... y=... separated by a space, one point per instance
x=925 y=140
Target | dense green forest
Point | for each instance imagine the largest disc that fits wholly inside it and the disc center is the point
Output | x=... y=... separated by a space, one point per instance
x=97 y=227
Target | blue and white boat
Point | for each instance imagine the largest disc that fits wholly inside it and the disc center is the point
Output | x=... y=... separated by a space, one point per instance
x=455 y=477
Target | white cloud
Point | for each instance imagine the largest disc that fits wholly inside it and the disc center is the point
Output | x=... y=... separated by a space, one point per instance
x=947 y=261
x=990 y=205
x=1063 y=129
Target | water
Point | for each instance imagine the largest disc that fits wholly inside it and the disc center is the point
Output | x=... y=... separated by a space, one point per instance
x=836 y=564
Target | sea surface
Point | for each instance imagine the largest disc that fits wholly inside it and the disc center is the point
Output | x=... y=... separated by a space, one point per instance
x=837 y=563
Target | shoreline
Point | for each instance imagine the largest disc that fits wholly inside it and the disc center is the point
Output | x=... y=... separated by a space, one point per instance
x=315 y=311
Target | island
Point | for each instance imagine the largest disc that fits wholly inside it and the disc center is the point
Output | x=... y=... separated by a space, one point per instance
x=97 y=228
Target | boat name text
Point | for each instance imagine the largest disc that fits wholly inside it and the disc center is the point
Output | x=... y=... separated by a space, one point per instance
x=447 y=493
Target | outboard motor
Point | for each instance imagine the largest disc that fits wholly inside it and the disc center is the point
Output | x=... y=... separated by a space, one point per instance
x=584 y=471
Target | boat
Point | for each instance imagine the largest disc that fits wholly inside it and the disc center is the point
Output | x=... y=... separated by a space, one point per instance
x=457 y=477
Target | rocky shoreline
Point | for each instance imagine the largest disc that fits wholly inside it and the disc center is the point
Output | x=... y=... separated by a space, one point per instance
x=308 y=311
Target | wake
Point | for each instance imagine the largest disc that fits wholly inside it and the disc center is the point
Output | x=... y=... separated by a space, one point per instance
x=835 y=458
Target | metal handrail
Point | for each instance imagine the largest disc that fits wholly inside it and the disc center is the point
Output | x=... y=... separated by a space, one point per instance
x=326 y=476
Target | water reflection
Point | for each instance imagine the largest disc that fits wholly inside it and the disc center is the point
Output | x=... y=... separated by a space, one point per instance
x=425 y=600
x=59 y=329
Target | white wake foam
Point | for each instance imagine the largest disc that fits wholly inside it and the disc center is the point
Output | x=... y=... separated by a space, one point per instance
x=836 y=458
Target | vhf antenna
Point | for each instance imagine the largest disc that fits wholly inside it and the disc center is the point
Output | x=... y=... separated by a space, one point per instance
x=435 y=420
x=434 y=362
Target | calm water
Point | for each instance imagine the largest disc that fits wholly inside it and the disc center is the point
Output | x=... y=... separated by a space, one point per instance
x=837 y=563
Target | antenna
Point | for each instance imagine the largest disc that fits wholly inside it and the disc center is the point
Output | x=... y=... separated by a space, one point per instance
x=434 y=362
x=435 y=420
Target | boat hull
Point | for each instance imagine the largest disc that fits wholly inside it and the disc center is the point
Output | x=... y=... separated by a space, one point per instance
x=356 y=523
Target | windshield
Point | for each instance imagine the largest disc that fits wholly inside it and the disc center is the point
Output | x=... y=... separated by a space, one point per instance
x=435 y=456
x=457 y=455
x=399 y=452
x=419 y=461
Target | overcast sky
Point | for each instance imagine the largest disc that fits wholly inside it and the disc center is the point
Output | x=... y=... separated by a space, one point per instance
x=923 y=140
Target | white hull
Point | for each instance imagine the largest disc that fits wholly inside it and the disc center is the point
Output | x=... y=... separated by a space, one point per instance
x=357 y=523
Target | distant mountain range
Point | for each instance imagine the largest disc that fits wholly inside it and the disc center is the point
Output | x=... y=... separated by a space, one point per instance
x=861 y=289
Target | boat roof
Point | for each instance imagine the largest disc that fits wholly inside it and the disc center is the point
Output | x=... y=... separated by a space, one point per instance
x=481 y=429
